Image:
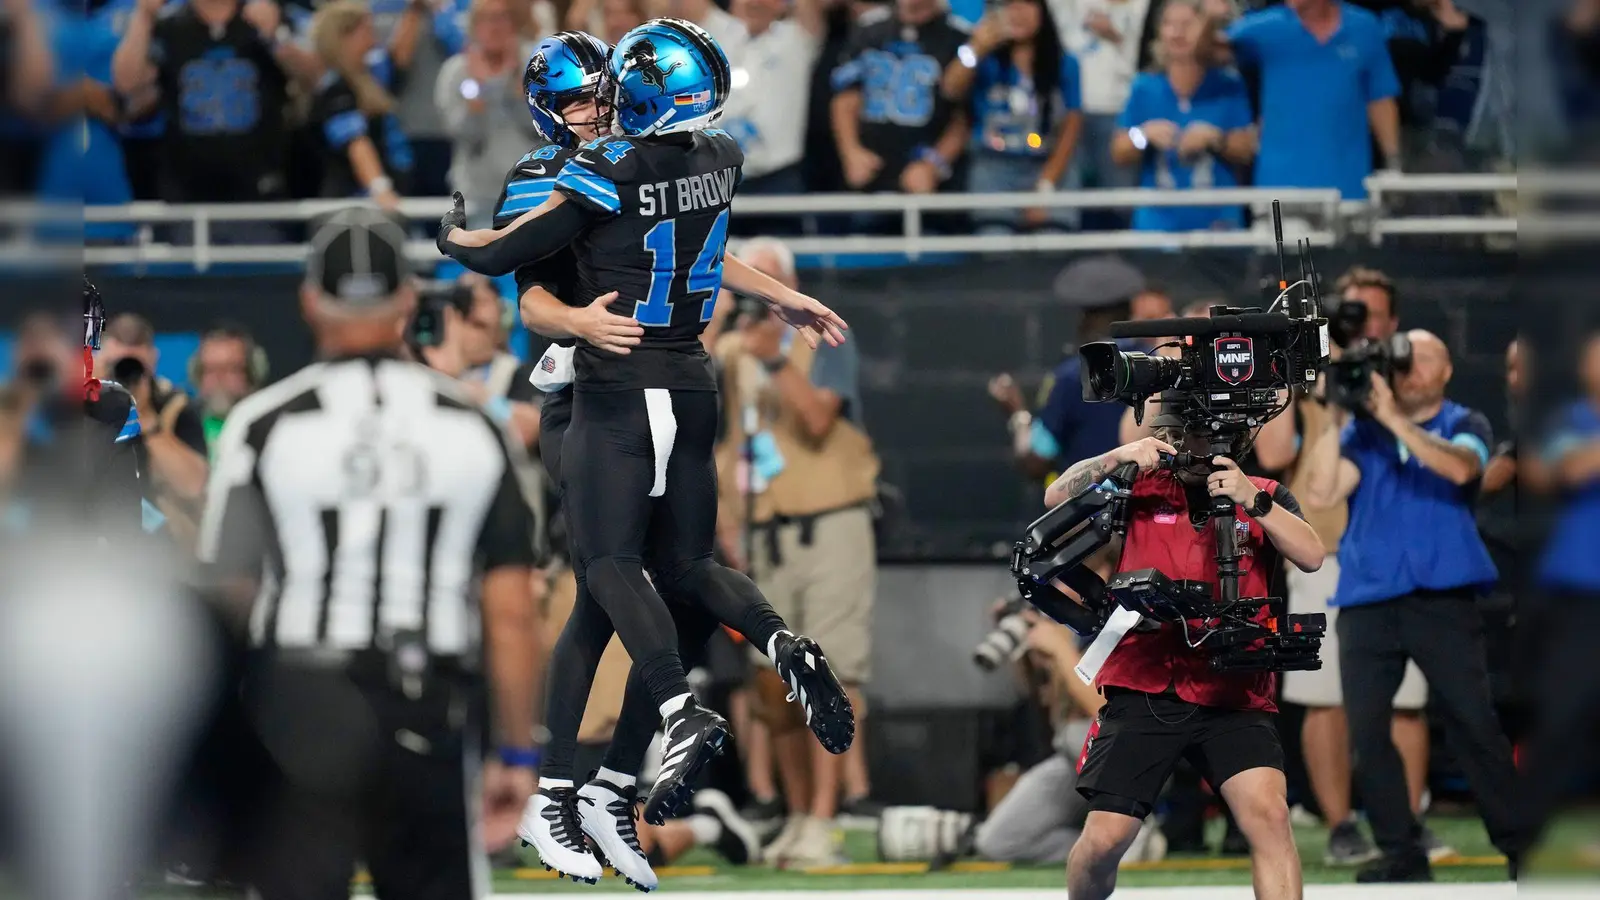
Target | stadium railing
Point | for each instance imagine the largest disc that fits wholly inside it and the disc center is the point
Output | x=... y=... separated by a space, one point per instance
x=1317 y=214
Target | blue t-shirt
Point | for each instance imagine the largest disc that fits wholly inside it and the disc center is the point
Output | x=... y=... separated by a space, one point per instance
x=82 y=159
x=1221 y=100
x=1314 y=96
x=1008 y=113
x=1570 y=559
x=1410 y=529
x=1069 y=428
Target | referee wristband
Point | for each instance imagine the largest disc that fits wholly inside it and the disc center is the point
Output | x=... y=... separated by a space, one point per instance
x=521 y=757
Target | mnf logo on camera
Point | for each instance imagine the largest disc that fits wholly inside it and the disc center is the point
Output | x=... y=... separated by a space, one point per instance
x=1236 y=359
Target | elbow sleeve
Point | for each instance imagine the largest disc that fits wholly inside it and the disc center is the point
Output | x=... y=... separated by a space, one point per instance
x=529 y=242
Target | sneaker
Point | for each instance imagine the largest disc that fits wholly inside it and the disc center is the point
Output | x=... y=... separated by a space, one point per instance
x=1435 y=848
x=762 y=812
x=816 y=845
x=1347 y=846
x=738 y=843
x=694 y=736
x=550 y=826
x=605 y=813
x=802 y=666
x=1391 y=869
x=774 y=852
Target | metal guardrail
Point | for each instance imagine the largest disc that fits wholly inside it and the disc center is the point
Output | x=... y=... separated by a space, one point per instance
x=1323 y=216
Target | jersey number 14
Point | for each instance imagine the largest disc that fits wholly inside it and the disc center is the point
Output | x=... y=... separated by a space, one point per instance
x=704 y=278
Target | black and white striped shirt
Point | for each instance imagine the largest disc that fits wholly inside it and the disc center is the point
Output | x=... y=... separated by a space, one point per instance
x=366 y=495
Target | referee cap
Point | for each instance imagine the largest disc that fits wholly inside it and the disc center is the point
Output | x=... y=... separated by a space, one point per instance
x=1098 y=281
x=358 y=258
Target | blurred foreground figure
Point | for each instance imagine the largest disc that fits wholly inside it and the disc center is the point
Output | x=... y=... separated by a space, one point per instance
x=106 y=666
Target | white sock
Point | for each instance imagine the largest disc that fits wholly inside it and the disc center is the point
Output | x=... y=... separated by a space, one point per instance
x=611 y=776
x=706 y=829
x=553 y=783
x=673 y=705
x=772 y=645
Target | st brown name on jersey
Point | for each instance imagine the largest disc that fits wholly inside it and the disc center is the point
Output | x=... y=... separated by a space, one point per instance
x=684 y=195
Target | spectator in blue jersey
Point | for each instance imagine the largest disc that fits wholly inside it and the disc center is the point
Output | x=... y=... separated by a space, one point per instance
x=1412 y=563
x=365 y=151
x=1027 y=110
x=1104 y=289
x=83 y=160
x=1569 y=691
x=1187 y=124
x=1328 y=91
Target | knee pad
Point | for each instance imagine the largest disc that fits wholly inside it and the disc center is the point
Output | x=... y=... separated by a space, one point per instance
x=771 y=705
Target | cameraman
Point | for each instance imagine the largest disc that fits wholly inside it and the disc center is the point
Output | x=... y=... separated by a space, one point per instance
x=1163 y=703
x=1412 y=563
x=174 y=439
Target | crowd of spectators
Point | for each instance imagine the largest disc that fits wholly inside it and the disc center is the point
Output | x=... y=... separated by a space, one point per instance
x=251 y=100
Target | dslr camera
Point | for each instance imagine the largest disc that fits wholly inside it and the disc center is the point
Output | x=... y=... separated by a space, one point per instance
x=426 y=328
x=1350 y=376
x=1004 y=643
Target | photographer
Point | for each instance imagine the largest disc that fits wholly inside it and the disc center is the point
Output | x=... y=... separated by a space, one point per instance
x=798 y=477
x=174 y=439
x=1412 y=564
x=1163 y=701
x=454 y=332
x=63 y=459
x=1366 y=318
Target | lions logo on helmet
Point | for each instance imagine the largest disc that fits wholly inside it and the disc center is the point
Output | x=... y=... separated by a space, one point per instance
x=538 y=70
x=670 y=77
x=642 y=57
x=565 y=68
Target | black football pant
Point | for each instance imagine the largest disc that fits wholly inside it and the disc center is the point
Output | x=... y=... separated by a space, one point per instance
x=360 y=771
x=699 y=593
x=1443 y=632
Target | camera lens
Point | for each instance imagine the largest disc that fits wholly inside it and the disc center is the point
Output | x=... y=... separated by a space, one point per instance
x=1111 y=374
x=128 y=370
x=1002 y=644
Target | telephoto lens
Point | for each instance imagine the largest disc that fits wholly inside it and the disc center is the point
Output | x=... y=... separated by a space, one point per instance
x=1004 y=643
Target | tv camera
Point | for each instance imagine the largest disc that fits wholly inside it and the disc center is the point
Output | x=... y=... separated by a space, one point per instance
x=1235 y=371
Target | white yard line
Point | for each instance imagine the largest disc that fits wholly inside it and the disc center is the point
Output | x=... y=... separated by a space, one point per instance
x=1502 y=891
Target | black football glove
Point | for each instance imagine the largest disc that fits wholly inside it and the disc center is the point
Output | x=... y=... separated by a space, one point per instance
x=455 y=218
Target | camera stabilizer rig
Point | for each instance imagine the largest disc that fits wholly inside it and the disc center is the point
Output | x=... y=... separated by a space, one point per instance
x=1226 y=387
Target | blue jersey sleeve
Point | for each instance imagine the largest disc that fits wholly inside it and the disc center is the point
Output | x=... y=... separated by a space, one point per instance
x=1071 y=83
x=1474 y=432
x=523 y=194
x=581 y=180
x=1252 y=34
x=1377 y=75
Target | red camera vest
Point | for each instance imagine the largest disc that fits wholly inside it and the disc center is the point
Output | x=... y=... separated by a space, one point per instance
x=1160 y=537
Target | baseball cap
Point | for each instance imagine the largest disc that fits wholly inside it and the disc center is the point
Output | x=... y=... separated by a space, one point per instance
x=358 y=258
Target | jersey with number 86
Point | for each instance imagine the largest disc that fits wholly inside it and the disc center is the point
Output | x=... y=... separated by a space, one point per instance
x=657 y=239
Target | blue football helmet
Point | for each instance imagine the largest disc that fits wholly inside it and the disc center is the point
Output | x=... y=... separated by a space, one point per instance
x=565 y=67
x=669 y=76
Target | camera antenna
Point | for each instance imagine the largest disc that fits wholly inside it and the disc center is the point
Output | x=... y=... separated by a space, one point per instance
x=1277 y=232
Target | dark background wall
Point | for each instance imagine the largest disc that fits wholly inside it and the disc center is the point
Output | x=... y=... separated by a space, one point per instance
x=931 y=336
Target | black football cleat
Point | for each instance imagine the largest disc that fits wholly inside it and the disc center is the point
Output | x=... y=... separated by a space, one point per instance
x=693 y=737
x=812 y=684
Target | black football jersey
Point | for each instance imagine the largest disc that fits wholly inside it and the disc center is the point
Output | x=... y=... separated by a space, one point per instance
x=898 y=68
x=660 y=226
x=527 y=186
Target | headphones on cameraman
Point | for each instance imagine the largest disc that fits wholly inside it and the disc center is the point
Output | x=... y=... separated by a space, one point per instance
x=256 y=366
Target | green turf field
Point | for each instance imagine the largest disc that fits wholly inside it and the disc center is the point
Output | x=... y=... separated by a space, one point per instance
x=703 y=871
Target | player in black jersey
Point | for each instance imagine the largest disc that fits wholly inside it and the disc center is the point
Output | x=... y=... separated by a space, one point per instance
x=652 y=209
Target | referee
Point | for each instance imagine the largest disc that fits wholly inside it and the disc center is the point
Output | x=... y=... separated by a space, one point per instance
x=353 y=507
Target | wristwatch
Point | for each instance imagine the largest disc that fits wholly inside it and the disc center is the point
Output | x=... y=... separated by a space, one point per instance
x=1261 y=506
